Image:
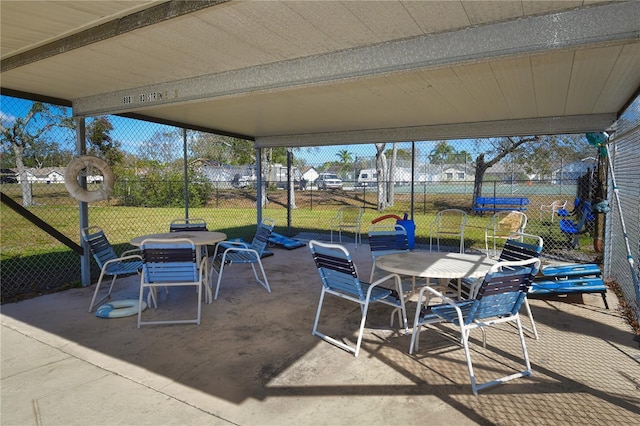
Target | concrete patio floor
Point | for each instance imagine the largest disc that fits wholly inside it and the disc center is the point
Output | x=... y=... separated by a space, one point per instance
x=253 y=361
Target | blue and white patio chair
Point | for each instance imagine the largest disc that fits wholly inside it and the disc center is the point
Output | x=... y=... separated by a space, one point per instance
x=498 y=300
x=108 y=261
x=340 y=278
x=187 y=224
x=239 y=252
x=519 y=246
x=170 y=263
x=573 y=229
x=386 y=239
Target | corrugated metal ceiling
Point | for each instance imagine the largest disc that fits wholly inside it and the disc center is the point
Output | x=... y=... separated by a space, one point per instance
x=305 y=72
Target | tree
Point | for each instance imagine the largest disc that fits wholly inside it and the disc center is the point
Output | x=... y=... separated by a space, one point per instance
x=24 y=134
x=100 y=142
x=223 y=149
x=532 y=160
x=162 y=148
x=381 y=169
x=346 y=159
x=443 y=153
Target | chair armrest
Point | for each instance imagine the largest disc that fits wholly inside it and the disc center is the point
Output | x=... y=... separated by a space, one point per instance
x=125 y=253
x=120 y=259
x=376 y=283
x=239 y=250
x=240 y=244
x=444 y=299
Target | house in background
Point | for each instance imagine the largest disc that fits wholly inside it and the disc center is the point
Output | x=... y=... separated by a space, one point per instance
x=310 y=174
x=46 y=175
x=52 y=175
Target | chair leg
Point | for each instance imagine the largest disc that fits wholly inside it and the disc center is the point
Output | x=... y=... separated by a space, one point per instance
x=477 y=387
x=140 y=297
x=604 y=299
x=199 y=302
x=314 y=332
x=467 y=353
x=264 y=283
x=361 y=331
x=95 y=292
x=215 y=297
x=533 y=328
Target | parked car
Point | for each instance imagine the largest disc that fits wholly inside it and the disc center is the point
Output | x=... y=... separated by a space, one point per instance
x=329 y=181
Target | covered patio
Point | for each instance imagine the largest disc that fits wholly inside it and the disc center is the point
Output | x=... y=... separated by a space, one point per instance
x=253 y=360
x=364 y=73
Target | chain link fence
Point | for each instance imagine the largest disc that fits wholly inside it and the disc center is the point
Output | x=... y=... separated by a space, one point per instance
x=149 y=191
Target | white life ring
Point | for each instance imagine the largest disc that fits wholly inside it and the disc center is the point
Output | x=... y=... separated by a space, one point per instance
x=74 y=168
x=119 y=308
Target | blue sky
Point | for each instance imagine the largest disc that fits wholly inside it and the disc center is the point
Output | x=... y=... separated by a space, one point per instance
x=132 y=132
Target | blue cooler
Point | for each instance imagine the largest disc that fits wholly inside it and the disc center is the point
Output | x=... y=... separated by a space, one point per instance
x=410 y=226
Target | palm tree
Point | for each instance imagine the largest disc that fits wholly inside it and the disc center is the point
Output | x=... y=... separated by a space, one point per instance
x=346 y=160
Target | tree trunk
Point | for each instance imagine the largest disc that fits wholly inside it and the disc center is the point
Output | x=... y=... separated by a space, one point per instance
x=27 y=197
x=291 y=181
x=481 y=168
x=392 y=176
x=381 y=169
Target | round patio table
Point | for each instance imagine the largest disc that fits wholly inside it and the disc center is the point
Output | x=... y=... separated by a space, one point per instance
x=428 y=264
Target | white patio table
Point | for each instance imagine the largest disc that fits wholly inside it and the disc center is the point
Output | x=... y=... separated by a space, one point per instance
x=427 y=264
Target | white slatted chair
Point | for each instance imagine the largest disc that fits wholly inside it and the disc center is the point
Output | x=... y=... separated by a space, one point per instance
x=497 y=300
x=109 y=262
x=239 y=252
x=170 y=263
x=340 y=278
x=448 y=224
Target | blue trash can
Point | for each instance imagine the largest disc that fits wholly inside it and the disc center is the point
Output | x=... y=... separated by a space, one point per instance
x=410 y=226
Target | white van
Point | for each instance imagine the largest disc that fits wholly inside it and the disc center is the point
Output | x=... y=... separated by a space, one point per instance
x=368 y=177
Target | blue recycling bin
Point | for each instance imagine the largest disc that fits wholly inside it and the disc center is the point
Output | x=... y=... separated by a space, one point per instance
x=410 y=226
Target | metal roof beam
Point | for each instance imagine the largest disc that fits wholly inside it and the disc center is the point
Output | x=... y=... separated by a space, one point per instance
x=479 y=130
x=598 y=25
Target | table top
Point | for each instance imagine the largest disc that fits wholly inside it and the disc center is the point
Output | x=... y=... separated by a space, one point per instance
x=198 y=237
x=431 y=264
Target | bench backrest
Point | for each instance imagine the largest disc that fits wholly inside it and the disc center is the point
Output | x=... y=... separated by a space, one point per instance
x=502 y=201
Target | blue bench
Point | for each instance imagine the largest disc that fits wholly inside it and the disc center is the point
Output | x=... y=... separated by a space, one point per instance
x=496 y=204
x=569 y=279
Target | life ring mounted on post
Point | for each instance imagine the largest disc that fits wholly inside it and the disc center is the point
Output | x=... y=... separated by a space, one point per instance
x=73 y=170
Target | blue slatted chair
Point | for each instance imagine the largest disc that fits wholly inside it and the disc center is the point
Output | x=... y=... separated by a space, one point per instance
x=188 y=224
x=239 y=252
x=572 y=229
x=340 y=278
x=383 y=240
x=519 y=246
x=109 y=262
x=170 y=263
x=498 y=300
